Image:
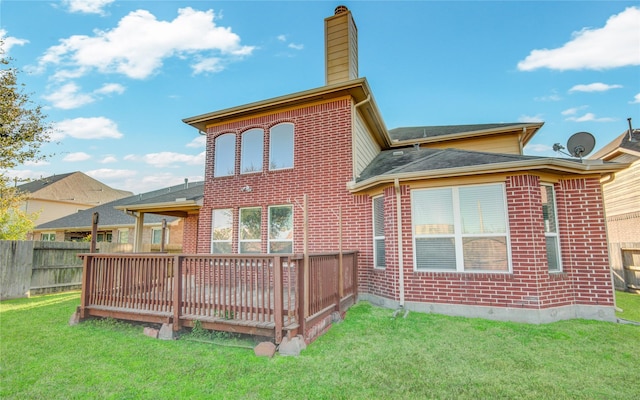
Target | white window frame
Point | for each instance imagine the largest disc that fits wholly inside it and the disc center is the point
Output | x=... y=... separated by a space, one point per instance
x=50 y=236
x=214 y=241
x=377 y=238
x=122 y=233
x=273 y=167
x=154 y=230
x=245 y=152
x=240 y=225
x=556 y=234
x=458 y=235
x=269 y=239
x=218 y=148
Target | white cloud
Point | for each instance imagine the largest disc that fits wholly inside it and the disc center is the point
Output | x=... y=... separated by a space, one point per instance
x=106 y=173
x=108 y=160
x=86 y=128
x=537 y=148
x=10 y=41
x=296 y=46
x=38 y=163
x=636 y=99
x=573 y=111
x=109 y=88
x=530 y=118
x=594 y=87
x=282 y=38
x=68 y=96
x=78 y=156
x=212 y=64
x=137 y=47
x=614 y=45
x=590 y=117
x=87 y=6
x=25 y=175
x=167 y=158
x=200 y=141
x=554 y=96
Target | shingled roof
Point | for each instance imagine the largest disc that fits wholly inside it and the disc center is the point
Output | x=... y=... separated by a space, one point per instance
x=110 y=216
x=73 y=187
x=425 y=163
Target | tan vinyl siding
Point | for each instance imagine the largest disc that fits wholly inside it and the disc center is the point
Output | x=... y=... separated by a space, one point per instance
x=506 y=144
x=364 y=146
x=622 y=196
x=341 y=48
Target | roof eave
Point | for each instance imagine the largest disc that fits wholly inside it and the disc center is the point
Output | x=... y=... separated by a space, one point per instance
x=587 y=167
x=529 y=129
x=357 y=88
x=172 y=208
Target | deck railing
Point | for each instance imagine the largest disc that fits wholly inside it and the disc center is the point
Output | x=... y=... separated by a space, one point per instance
x=257 y=294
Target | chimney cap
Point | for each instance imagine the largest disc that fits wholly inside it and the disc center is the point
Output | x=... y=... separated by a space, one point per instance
x=340 y=10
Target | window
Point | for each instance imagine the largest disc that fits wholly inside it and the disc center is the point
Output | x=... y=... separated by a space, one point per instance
x=48 y=237
x=551 y=228
x=280 y=229
x=378 y=233
x=250 y=232
x=123 y=236
x=156 y=236
x=104 y=237
x=460 y=228
x=225 y=155
x=222 y=228
x=281 y=146
x=252 y=155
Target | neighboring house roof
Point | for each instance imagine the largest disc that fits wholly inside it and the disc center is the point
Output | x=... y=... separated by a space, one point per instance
x=74 y=187
x=413 y=163
x=623 y=144
x=425 y=134
x=111 y=214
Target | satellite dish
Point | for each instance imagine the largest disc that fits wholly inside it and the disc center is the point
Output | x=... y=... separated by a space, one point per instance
x=580 y=144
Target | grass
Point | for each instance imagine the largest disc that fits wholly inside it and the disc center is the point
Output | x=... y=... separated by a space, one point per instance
x=629 y=304
x=369 y=355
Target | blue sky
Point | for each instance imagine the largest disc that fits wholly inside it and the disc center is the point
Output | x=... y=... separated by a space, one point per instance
x=117 y=77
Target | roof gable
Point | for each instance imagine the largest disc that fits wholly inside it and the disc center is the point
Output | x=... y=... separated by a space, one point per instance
x=112 y=216
x=74 y=187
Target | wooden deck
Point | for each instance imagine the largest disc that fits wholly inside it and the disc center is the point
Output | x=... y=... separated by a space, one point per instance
x=265 y=295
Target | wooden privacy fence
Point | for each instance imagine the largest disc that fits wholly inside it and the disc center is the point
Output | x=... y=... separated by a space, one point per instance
x=255 y=294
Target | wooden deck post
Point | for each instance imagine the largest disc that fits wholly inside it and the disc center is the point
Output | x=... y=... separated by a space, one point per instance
x=278 y=301
x=177 y=291
x=301 y=296
x=305 y=221
x=84 y=300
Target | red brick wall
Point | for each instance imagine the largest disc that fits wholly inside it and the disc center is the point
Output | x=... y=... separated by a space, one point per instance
x=190 y=234
x=585 y=278
x=322 y=168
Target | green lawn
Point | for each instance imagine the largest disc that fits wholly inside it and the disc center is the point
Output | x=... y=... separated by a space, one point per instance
x=368 y=356
x=629 y=304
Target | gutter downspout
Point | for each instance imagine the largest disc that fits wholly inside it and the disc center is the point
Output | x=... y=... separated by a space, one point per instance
x=396 y=184
x=363 y=101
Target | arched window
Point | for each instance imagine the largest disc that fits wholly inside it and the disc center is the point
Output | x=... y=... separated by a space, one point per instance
x=281 y=146
x=251 y=153
x=225 y=155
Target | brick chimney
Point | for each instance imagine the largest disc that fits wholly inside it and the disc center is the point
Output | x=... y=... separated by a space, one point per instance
x=341 y=47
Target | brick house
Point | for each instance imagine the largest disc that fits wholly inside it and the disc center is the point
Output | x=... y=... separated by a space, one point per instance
x=447 y=219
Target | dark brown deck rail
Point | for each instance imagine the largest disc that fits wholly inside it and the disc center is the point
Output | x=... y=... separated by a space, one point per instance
x=257 y=294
